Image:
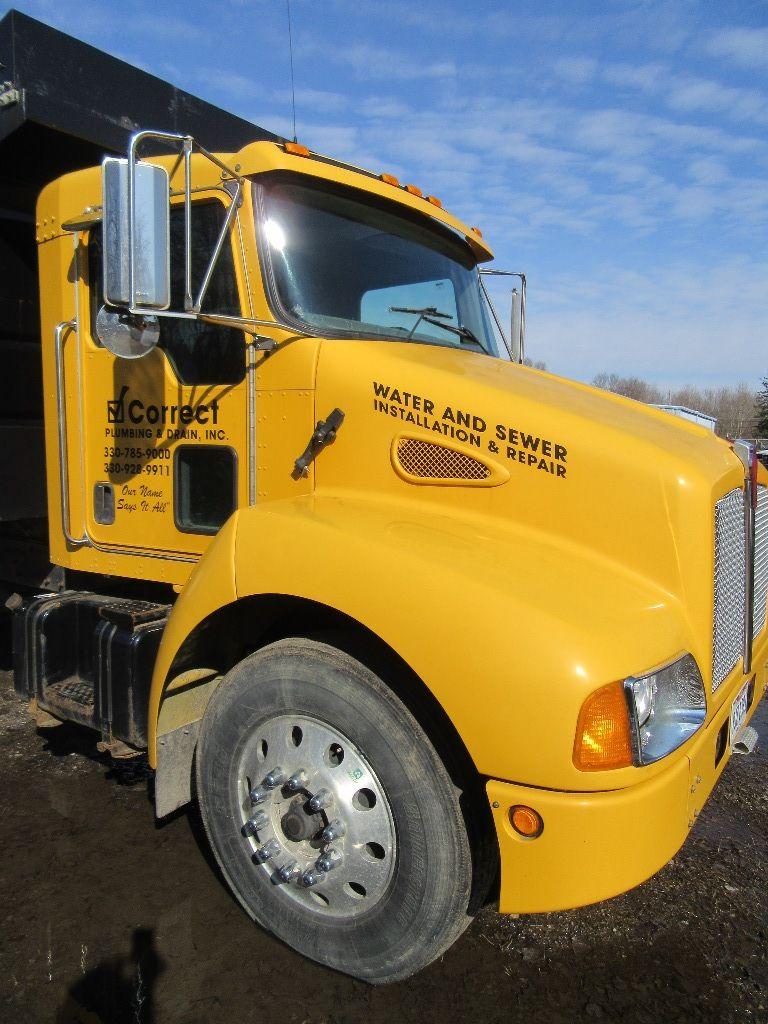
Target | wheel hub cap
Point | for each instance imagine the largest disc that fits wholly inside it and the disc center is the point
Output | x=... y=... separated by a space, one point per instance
x=315 y=818
x=297 y=824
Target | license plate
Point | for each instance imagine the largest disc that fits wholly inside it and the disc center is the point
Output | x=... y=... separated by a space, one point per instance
x=739 y=710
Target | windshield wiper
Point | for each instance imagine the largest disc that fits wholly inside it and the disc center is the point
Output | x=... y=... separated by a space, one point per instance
x=428 y=314
x=432 y=310
x=422 y=315
x=460 y=329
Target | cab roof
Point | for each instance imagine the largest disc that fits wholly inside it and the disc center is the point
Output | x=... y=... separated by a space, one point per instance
x=68 y=196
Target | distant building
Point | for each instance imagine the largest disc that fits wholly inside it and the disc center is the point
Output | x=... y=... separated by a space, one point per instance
x=710 y=422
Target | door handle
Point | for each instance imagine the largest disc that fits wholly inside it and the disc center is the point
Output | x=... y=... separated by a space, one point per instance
x=60 y=333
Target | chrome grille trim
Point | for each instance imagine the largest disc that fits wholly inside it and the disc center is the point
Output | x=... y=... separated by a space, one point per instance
x=761 y=559
x=728 y=629
x=730 y=574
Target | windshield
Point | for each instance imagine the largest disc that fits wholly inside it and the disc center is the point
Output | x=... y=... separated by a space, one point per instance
x=344 y=265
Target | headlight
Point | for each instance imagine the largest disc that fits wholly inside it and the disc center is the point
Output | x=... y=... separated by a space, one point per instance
x=666 y=707
x=643 y=691
x=641 y=719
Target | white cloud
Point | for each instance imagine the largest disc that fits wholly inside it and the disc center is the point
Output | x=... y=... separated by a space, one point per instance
x=689 y=94
x=681 y=92
x=645 y=77
x=229 y=82
x=747 y=47
x=372 y=63
x=273 y=122
x=525 y=168
x=166 y=26
x=385 y=107
x=709 y=170
x=322 y=100
x=577 y=70
x=666 y=322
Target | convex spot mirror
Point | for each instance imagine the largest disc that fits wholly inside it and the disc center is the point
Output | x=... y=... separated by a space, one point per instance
x=127 y=335
x=136 y=248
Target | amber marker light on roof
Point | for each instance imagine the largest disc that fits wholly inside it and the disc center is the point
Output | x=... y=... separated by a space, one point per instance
x=414 y=190
x=603 y=737
x=390 y=179
x=477 y=231
x=296 y=149
x=435 y=201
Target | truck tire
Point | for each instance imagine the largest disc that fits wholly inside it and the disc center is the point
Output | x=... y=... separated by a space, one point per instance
x=300 y=720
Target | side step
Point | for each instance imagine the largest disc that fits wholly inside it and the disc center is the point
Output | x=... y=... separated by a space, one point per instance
x=87 y=658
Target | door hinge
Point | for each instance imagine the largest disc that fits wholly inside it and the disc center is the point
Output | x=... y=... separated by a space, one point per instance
x=325 y=433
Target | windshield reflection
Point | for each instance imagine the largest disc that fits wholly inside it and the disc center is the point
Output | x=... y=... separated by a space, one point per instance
x=343 y=265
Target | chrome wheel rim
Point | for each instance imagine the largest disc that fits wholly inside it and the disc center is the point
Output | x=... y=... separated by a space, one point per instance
x=315 y=820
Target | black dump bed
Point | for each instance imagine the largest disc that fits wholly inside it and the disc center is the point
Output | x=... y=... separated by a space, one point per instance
x=63 y=105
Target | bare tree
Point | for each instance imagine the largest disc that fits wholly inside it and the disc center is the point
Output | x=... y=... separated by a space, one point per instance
x=732 y=407
x=761 y=410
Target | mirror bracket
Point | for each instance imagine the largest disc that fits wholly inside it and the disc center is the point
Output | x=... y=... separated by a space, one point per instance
x=517 y=348
x=88 y=219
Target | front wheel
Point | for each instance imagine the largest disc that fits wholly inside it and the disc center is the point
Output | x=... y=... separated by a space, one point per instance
x=331 y=815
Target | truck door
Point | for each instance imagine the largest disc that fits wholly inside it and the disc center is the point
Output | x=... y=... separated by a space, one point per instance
x=163 y=460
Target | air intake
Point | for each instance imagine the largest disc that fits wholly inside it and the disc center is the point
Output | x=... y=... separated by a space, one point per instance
x=420 y=461
x=730 y=568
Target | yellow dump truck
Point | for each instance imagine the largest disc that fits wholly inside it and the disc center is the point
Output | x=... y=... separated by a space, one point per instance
x=414 y=623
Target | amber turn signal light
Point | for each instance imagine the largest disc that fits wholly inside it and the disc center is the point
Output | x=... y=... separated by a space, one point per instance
x=603 y=737
x=526 y=821
x=296 y=149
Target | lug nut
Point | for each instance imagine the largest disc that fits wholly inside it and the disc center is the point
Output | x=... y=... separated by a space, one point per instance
x=335 y=830
x=328 y=860
x=267 y=850
x=258 y=794
x=255 y=823
x=297 y=781
x=274 y=778
x=288 y=872
x=322 y=798
x=311 y=877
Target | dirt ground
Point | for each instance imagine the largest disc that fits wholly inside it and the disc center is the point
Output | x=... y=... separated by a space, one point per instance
x=110 y=917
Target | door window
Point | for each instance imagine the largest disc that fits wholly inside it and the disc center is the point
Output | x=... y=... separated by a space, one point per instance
x=200 y=353
x=205 y=491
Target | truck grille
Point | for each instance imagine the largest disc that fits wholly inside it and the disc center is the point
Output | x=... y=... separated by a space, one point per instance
x=761 y=559
x=730 y=568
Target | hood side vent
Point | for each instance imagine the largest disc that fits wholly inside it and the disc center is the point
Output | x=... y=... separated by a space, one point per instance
x=425 y=462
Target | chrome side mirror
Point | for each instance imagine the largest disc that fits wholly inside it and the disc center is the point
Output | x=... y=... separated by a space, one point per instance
x=127 y=335
x=136 y=229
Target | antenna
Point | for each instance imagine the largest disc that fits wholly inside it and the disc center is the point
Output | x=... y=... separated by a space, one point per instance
x=293 y=87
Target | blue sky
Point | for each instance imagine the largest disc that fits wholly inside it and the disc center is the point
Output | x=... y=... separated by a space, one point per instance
x=615 y=151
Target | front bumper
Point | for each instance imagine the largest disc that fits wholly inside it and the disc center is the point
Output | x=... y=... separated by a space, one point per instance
x=596 y=845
